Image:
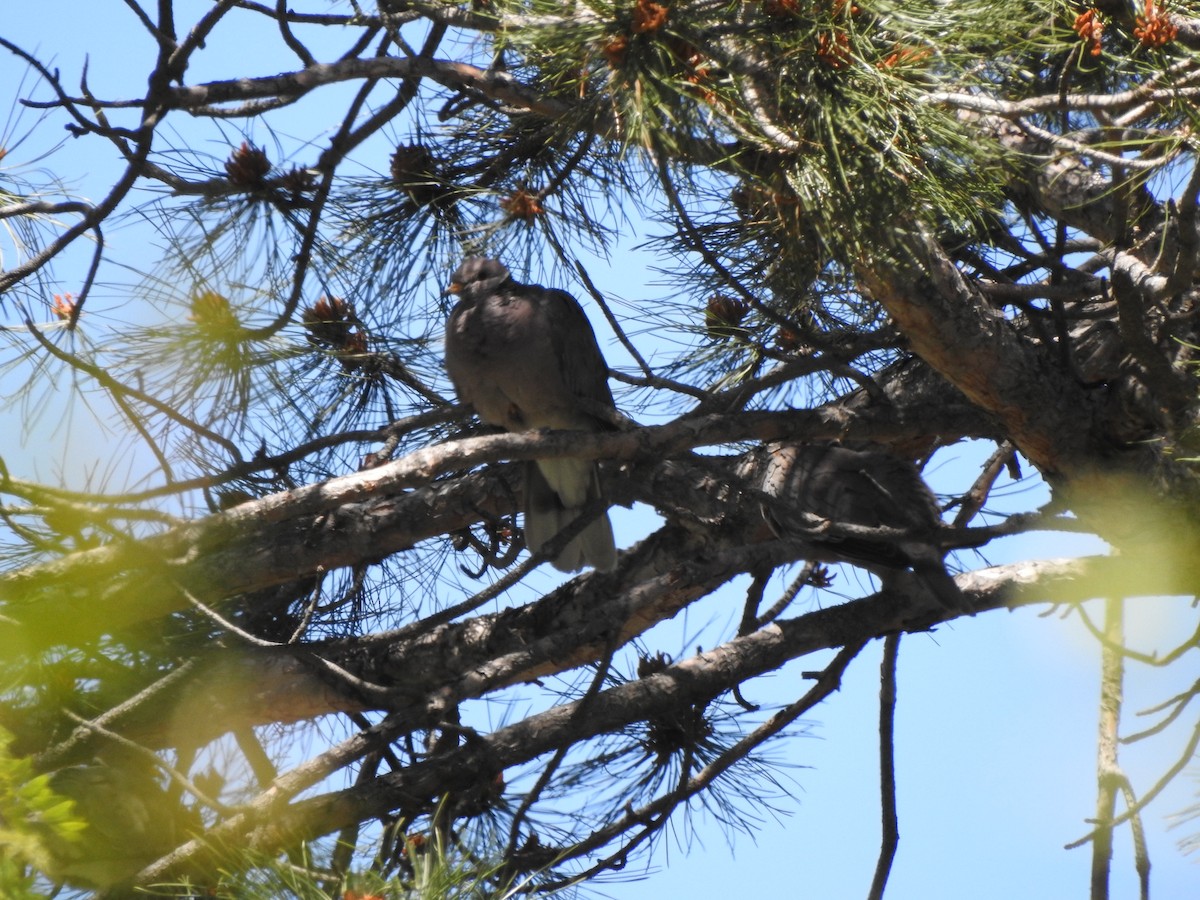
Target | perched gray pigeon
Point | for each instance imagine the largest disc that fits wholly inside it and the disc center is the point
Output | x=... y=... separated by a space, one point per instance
x=525 y=357
x=864 y=488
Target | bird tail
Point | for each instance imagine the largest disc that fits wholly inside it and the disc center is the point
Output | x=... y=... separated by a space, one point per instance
x=546 y=515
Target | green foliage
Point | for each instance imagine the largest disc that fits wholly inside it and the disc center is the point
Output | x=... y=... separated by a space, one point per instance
x=288 y=330
x=34 y=821
x=428 y=869
x=828 y=101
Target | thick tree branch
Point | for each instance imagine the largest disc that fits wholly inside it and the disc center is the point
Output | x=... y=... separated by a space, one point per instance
x=697 y=678
x=568 y=628
x=347 y=520
x=977 y=350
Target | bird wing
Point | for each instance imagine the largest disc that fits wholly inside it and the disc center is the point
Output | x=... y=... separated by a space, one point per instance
x=580 y=362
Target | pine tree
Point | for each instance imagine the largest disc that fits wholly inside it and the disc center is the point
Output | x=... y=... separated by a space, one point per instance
x=265 y=608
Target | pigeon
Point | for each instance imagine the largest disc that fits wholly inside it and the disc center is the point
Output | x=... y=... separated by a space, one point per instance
x=525 y=357
x=864 y=488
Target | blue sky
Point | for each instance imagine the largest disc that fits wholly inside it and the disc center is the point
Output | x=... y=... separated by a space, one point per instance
x=996 y=715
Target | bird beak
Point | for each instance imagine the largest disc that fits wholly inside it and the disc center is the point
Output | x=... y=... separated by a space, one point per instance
x=456 y=287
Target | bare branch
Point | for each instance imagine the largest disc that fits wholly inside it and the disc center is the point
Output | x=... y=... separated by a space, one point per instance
x=887 y=767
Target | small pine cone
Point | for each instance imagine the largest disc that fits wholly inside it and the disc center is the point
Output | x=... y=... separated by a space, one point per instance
x=833 y=49
x=63 y=306
x=522 y=205
x=723 y=316
x=414 y=844
x=247 y=166
x=1155 y=28
x=788 y=340
x=213 y=312
x=648 y=16
x=415 y=171
x=778 y=9
x=353 y=351
x=299 y=181
x=614 y=51
x=328 y=321
x=821 y=577
x=652 y=665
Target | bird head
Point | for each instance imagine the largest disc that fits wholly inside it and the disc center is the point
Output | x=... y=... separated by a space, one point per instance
x=477 y=275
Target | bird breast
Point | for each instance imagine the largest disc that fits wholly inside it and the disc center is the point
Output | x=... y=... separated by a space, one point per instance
x=502 y=360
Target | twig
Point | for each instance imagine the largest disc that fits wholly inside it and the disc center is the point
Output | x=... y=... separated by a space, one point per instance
x=290 y=39
x=1179 y=701
x=287 y=785
x=1185 y=758
x=786 y=598
x=890 y=838
x=111 y=384
x=754 y=595
x=532 y=796
x=376 y=692
x=54 y=756
x=1108 y=773
x=1141 y=856
x=174 y=774
x=973 y=500
x=651 y=816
